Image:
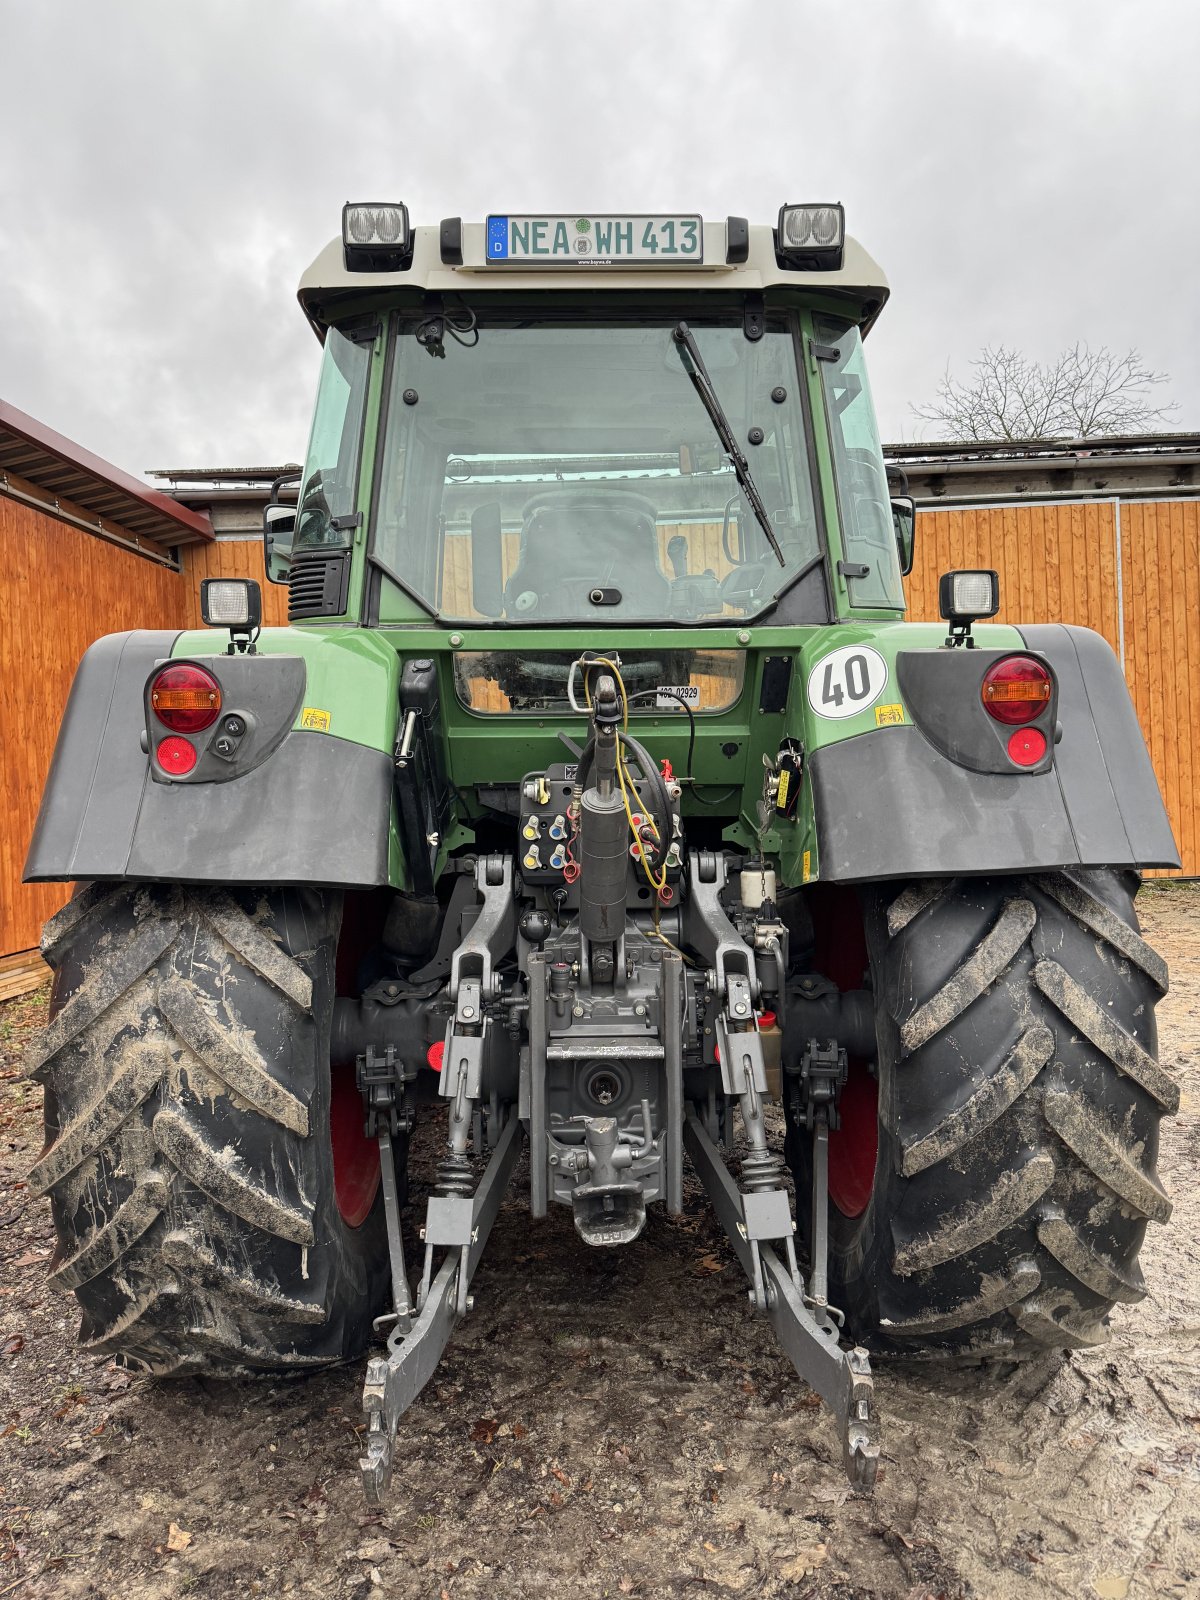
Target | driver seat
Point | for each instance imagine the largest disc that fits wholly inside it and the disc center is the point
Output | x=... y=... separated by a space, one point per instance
x=579 y=538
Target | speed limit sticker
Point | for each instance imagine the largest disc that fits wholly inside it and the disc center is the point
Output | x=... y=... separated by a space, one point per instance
x=847 y=681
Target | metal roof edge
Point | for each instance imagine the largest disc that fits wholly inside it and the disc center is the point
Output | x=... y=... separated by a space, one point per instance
x=55 y=444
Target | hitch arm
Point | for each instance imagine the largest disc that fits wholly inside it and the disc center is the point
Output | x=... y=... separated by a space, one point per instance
x=394 y=1381
x=807 y=1333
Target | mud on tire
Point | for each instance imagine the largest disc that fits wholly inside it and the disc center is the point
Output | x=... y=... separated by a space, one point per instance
x=188 y=1156
x=1020 y=1100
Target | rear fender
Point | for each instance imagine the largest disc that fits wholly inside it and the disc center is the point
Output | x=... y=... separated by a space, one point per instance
x=917 y=783
x=296 y=803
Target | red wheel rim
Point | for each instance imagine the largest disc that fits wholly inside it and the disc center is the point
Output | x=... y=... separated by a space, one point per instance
x=355 y=1157
x=854 y=1146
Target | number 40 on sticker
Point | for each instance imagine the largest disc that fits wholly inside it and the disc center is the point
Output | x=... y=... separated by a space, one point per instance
x=847 y=681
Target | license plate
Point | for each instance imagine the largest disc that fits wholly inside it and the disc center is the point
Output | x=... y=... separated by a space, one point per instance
x=593 y=241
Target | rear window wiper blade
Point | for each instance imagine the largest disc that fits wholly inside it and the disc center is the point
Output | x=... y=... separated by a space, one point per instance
x=693 y=361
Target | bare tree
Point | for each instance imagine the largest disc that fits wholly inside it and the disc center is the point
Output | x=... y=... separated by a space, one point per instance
x=1081 y=393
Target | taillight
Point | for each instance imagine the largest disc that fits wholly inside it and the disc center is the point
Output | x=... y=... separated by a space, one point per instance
x=1016 y=690
x=176 y=756
x=186 y=699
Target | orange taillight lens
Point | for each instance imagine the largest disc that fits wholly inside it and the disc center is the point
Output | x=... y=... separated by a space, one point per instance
x=1016 y=690
x=186 y=699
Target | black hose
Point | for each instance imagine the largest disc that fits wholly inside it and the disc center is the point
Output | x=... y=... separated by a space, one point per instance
x=644 y=694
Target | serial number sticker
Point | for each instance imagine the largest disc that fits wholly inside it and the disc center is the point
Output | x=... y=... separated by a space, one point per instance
x=847 y=681
x=315 y=720
x=886 y=716
x=669 y=695
x=807 y=865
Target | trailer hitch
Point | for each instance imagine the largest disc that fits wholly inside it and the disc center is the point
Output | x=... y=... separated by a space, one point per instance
x=460 y=1224
x=756 y=1224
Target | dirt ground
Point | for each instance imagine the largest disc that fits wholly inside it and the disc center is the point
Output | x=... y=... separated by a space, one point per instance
x=611 y=1424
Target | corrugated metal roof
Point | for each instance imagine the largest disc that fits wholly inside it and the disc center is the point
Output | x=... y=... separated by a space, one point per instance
x=64 y=469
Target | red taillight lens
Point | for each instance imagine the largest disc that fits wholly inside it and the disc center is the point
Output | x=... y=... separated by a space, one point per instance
x=1016 y=690
x=176 y=756
x=1027 y=746
x=186 y=699
x=436 y=1054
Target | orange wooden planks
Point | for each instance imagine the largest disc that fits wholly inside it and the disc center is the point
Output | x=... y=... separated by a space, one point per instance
x=60 y=589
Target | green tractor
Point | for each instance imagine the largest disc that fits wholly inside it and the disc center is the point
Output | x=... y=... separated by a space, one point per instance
x=598 y=800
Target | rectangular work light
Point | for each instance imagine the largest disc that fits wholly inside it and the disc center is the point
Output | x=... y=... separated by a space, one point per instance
x=812 y=235
x=234 y=603
x=968 y=596
x=375 y=236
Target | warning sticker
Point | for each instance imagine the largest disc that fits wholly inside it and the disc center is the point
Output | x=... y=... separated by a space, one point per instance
x=885 y=716
x=807 y=865
x=315 y=720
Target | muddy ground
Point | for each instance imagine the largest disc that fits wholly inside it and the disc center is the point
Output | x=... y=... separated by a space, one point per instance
x=611 y=1425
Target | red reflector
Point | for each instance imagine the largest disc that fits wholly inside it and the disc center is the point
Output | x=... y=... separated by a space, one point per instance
x=187 y=699
x=1027 y=746
x=436 y=1054
x=1016 y=690
x=176 y=756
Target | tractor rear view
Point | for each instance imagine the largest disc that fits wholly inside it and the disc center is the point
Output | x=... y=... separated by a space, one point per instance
x=598 y=800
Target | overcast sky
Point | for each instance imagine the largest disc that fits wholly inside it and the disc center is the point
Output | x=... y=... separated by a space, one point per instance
x=1025 y=172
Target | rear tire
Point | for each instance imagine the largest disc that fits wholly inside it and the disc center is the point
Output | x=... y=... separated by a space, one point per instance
x=188 y=1149
x=1019 y=1105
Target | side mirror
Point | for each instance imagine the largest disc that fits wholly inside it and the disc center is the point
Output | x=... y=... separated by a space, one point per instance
x=487 y=559
x=904 y=521
x=279 y=527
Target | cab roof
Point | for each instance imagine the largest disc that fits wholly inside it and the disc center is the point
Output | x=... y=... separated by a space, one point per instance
x=327 y=284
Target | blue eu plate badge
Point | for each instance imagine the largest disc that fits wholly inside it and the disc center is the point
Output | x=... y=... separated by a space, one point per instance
x=497 y=238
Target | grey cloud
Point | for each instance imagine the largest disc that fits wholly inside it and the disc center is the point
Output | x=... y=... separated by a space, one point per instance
x=1023 y=173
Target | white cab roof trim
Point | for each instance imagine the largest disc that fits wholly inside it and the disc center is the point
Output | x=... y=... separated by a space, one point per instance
x=328 y=276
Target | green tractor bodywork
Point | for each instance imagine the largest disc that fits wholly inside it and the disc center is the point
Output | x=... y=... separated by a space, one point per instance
x=535 y=591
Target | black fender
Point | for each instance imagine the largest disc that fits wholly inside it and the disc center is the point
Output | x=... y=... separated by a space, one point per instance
x=916 y=800
x=305 y=808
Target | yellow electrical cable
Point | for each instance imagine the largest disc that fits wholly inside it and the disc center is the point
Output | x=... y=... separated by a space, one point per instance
x=624 y=781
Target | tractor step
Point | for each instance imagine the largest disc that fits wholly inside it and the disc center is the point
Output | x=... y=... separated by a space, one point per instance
x=461 y=1224
x=806 y=1329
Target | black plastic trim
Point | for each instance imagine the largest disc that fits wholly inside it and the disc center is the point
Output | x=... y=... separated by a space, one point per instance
x=890 y=805
x=317 y=811
x=943 y=691
x=1102 y=761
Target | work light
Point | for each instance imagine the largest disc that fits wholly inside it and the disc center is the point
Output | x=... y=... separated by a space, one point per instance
x=965 y=597
x=812 y=235
x=234 y=603
x=375 y=236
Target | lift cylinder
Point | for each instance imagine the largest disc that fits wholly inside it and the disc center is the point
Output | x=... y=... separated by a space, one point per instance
x=604 y=866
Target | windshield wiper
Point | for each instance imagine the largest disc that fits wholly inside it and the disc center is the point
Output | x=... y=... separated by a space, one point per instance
x=698 y=373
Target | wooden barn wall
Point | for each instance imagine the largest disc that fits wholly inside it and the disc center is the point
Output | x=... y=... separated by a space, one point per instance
x=60 y=589
x=1160 y=565
x=232 y=558
x=1058 y=563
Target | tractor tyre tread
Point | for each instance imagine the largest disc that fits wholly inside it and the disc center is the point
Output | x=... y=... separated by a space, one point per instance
x=1020 y=1101
x=188 y=1158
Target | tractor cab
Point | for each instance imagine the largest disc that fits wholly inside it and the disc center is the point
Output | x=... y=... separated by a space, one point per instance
x=687 y=440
